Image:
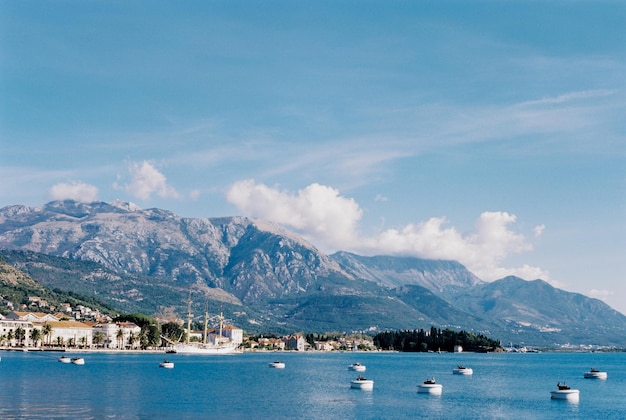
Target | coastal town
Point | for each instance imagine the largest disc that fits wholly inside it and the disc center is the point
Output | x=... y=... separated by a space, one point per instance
x=80 y=328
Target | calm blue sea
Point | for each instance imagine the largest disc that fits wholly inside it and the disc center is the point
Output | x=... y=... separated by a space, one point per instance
x=312 y=386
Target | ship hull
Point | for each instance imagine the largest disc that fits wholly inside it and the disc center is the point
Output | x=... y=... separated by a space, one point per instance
x=205 y=349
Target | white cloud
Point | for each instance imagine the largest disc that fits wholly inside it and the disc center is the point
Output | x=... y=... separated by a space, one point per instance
x=571 y=96
x=321 y=214
x=482 y=251
x=76 y=190
x=526 y=271
x=602 y=294
x=317 y=211
x=147 y=180
x=538 y=230
x=194 y=195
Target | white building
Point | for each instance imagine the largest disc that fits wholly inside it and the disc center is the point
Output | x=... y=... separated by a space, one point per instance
x=117 y=335
x=70 y=333
x=8 y=328
x=233 y=333
x=324 y=345
x=31 y=316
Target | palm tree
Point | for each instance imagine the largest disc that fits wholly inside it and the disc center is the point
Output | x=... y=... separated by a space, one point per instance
x=98 y=338
x=47 y=331
x=20 y=335
x=35 y=336
x=136 y=339
x=120 y=338
x=144 y=339
x=10 y=337
x=83 y=341
x=60 y=341
x=133 y=339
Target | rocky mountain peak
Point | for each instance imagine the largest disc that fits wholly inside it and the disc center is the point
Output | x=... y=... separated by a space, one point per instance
x=125 y=205
x=143 y=256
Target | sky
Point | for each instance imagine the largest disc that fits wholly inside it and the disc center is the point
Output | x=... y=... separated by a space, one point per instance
x=492 y=133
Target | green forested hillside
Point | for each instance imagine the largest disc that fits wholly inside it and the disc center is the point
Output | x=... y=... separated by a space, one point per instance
x=16 y=287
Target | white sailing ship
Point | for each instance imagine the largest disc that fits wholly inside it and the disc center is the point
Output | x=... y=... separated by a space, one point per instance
x=211 y=344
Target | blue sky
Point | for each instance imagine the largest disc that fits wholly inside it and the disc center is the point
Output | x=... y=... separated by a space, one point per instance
x=489 y=132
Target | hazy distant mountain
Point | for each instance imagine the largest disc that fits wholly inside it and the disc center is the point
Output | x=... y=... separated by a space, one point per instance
x=534 y=310
x=435 y=275
x=269 y=279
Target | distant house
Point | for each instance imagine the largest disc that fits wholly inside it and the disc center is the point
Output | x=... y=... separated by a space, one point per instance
x=271 y=343
x=324 y=345
x=295 y=342
x=37 y=302
x=278 y=344
x=233 y=333
x=31 y=316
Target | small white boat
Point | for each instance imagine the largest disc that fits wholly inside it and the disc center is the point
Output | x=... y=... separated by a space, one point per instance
x=65 y=359
x=277 y=364
x=462 y=370
x=430 y=387
x=357 y=367
x=78 y=360
x=595 y=374
x=166 y=364
x=362 y=383
x=564 y=392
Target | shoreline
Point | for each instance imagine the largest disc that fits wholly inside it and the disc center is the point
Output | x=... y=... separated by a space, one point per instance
x=73 y=350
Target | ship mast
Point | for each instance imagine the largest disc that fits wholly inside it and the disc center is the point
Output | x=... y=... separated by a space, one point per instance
x=206 y=321
x=188 y=319
x=221 y=323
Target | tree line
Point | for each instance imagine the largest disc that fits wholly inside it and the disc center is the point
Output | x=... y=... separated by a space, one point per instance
x=434 y=340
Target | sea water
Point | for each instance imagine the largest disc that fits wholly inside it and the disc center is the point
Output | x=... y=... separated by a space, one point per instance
x=312 y=386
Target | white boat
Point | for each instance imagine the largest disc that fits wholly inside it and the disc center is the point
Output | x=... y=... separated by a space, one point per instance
x=462 y=370
x=357 y=367
x=277 y=365
x=564 y=392
x=78 y=360
x=166 y=364
x=430 y=387
x=65 y=359
x=595 y=374
x=362 y=383
x=220 y=345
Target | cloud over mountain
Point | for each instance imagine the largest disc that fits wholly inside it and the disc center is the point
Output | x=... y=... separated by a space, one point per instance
x=318 y=211
x=76 y=190
x=321 y=214
x=145 y=180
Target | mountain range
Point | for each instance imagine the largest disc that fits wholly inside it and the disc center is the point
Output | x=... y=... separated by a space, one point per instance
x=268 y=279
